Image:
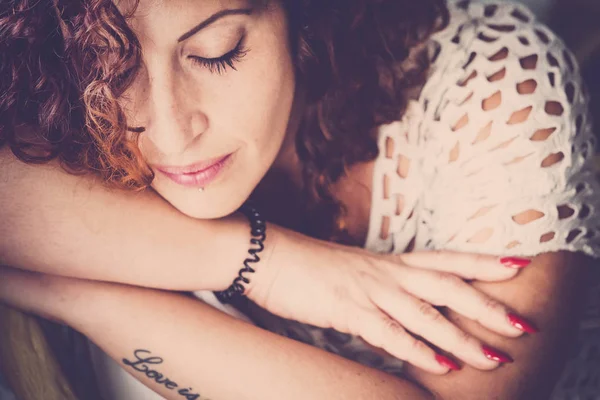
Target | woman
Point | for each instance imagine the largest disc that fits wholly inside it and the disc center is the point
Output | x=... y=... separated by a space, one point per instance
x=484 y=151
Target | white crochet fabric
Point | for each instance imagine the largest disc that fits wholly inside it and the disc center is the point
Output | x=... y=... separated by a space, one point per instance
x=451 y=175
x=464 y=189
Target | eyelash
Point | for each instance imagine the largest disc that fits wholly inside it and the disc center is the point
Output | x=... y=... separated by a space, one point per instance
x=219 y=65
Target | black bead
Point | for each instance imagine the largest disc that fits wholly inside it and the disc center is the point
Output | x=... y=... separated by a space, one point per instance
x=258 y=228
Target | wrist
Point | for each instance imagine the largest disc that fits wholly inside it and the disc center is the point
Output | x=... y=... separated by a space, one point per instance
x=287 y=255
x=247 y=273
x=266 y=269
x=232 y=238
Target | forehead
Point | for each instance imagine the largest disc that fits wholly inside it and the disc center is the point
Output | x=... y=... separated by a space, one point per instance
x=146 y=7
x=159 y=23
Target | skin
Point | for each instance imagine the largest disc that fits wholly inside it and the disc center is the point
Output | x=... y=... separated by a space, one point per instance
x=185 y=110
x=355 y=191
x=204 y=129
x=550 y=292
x=191 y=112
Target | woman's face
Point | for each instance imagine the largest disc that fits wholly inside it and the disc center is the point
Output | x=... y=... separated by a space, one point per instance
x=214 y=96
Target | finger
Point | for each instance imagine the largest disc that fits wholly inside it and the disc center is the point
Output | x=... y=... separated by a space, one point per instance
x=444 y=289
x=424 y=320
x=466 y=265
x=379 y=330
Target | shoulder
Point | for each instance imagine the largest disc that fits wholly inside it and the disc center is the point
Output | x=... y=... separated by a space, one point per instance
x=505 y=77
x=496 y=64
x=482 y=36
x=489 y=22
x=507 y=137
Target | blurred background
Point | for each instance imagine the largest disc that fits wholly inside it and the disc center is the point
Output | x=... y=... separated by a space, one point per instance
x=578 y=23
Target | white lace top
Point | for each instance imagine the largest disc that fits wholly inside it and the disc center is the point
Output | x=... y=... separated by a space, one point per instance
x=460 y=177
x=455 y=176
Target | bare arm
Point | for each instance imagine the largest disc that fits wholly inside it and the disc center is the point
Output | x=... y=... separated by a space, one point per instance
x=180 y=330
x=200 y=348
x=74 y=227
x=63 y=224
x=549 y=292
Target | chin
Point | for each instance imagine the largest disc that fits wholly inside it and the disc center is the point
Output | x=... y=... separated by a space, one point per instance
x=220 y=198
x=211 y=204
x=206 y=212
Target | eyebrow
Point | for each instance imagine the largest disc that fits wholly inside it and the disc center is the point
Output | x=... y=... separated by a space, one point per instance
x=213 y=18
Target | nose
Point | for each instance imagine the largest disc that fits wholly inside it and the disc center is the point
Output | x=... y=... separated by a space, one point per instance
x=174 y=119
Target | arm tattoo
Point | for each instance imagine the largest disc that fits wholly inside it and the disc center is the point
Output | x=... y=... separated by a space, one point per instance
x=143 y=362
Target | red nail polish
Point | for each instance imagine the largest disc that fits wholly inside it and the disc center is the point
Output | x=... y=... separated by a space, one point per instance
x=496 y=355
x=521 y=324
x=446 y=362
x=515 y=262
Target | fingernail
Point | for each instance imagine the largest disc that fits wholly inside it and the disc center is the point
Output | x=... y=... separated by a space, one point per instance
x=446 y=362
x=496 y=355
x=515 y=262
x=521 y=324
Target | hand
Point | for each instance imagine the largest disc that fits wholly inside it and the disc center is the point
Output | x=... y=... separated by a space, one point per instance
x=382 y=298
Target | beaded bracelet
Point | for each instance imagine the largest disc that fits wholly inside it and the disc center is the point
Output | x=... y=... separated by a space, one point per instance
x=258 y=231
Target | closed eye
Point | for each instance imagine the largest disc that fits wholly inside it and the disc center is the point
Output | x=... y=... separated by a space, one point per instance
x=219 y=65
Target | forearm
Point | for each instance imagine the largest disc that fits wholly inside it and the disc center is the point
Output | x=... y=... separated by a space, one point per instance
x=548 y=292
x=217 y=356
x=75 y=226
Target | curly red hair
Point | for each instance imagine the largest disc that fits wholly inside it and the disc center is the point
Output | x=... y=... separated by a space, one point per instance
x=64 y=63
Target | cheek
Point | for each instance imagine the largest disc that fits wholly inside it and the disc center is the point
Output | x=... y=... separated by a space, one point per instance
x=273 y=93
x=268 y=94
x=249 y=110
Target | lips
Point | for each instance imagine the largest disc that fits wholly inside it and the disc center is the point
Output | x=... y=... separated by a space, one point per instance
x=196 y=175
x=191 y=169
